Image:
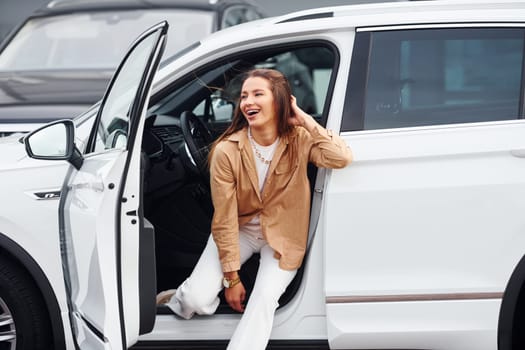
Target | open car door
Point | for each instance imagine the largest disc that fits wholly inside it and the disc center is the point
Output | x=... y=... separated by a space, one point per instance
x=101 y=221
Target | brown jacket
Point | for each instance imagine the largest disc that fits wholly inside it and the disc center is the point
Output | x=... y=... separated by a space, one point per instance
x=284 y=204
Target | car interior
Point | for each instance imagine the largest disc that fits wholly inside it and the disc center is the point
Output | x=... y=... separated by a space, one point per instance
x=183 y=121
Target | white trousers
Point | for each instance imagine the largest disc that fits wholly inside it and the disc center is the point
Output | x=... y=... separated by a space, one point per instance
x=198 y=294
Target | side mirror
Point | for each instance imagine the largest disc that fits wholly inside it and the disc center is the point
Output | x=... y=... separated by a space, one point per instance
x=54 y=141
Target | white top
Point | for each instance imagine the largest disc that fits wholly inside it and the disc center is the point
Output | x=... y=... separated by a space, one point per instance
x=260 y=153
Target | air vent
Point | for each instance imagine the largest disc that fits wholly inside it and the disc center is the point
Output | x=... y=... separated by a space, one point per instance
x=169 y=134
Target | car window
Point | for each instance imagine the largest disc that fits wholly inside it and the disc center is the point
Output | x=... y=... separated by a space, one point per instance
x=442 y=76
x=212 y=94
x=97 y=40
x=116 y=108
x=309 y=84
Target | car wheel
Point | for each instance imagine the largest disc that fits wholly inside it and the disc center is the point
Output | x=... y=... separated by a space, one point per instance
x=24 y=323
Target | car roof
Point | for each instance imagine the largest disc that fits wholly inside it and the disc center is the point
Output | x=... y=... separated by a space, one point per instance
x=396 y=13
x=56 y=7
x=373 y=15
x=418 y=11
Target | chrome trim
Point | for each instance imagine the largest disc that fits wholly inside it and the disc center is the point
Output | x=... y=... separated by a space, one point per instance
x=412 y=297
x=49 y=194
x=441 y=25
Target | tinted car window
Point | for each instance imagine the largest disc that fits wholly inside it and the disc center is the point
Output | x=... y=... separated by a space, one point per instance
x=442 y=76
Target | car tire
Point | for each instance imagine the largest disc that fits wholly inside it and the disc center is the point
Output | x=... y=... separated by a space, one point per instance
x=24 y=321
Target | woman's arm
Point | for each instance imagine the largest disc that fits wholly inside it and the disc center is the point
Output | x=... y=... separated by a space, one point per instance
x=329 y=150
x=225 y=224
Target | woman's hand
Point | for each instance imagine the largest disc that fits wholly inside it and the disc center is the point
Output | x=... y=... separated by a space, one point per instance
x=235 y=297
x=300 y=117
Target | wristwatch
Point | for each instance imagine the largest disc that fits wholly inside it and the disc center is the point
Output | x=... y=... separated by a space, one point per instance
x=228 y=283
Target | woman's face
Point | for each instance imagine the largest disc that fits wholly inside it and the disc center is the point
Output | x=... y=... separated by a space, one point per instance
x=257 y=104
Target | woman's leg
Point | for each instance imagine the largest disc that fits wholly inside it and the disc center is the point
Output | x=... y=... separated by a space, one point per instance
x=198 y=294
x=256 y=323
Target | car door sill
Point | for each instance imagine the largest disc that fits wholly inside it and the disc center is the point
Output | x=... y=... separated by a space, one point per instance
x=317 y=344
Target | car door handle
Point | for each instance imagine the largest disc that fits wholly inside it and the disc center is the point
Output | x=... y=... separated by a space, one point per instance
x=95 y=186
x=519 y=153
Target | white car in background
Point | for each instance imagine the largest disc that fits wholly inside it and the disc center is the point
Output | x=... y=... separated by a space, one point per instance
x=419 y=244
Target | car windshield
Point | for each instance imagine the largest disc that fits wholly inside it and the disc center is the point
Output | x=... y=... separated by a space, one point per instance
x=97 y=40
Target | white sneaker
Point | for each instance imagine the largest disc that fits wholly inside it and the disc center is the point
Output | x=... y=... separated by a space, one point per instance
x=165 y=296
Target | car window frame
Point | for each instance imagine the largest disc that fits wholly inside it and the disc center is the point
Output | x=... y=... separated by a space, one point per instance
x=270 y=49
x=92 y=139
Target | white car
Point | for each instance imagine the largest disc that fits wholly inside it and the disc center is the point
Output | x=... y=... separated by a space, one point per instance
x=419 y=244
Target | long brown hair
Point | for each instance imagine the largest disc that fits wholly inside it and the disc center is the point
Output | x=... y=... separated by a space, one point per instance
x=281 y=90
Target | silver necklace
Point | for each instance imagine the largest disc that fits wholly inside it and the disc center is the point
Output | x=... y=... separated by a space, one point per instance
x=256 y=150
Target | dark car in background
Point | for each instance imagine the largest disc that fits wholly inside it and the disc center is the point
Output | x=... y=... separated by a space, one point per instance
x=59 y=61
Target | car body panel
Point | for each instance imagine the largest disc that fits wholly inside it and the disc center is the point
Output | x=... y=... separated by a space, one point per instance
x=455 y=196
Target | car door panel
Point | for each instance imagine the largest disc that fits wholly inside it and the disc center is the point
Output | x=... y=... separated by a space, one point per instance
x=93 y=288
x=101 y=211
x=424 y=230
x=399 y=221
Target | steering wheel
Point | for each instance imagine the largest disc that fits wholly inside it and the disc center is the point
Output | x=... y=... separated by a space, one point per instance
x=197 y=139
